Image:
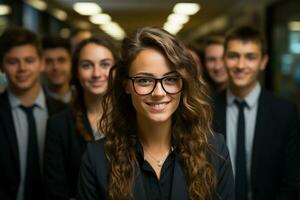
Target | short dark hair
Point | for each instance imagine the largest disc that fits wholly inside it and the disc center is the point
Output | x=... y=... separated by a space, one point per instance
x=213 y=40
x=246 y=33
x=17 y=36
x=52 y=42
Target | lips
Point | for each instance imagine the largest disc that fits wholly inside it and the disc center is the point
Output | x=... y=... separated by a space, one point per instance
x=97 y=83
x=240 y=75
x=157 y=106
x=22 y=78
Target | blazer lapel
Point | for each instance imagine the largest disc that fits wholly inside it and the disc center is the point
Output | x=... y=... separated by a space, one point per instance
x=8 y=123
x=220 y=113
x=179 y=189
x=260 y=128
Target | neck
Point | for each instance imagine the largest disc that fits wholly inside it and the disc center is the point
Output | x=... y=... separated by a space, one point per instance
x=29 y=96
x=60 y=90
x=155 y=137
x=242 y=93
x=94 y=109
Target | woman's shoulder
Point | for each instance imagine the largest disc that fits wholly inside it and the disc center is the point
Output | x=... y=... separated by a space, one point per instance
x=96 y=146
x=217 y=140
x=221 y=162
x=218 y=149
x=95 y=151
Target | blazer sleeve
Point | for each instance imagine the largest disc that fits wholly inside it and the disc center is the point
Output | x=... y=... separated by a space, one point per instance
x=223 y=168
x=92 y=173
x=55 y=174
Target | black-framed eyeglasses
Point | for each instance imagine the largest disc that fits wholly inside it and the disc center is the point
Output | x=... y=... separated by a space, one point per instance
x=144 y=85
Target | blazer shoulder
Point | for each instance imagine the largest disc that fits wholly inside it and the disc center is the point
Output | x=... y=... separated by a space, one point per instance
x=60 y=119
x=4 y=99
x=218 y=145
x=275 y=99
x=277 y=104
x=94 y=160
x=220 y=160
x=96 y=149
x=218 y=152
x=219 y=100
x=54 y=106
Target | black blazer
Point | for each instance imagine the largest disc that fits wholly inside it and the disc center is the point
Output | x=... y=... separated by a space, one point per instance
x=93 y=175
x=63 y=151
x=275 y=152
x=9 y=155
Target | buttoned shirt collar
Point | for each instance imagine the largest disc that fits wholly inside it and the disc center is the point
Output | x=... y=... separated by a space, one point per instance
x=251 y=99
x=40 y=101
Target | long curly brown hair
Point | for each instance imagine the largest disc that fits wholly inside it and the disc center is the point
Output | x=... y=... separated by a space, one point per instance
x=191 y=122
x=78 y=106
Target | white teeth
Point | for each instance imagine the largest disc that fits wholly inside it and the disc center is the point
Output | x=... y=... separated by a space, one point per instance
x=158 y=106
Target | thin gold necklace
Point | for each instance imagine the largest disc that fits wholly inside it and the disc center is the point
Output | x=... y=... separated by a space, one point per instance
x=159 y=162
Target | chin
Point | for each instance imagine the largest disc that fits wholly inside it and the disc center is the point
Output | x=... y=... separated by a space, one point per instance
x=97 y=93
x=159 y=119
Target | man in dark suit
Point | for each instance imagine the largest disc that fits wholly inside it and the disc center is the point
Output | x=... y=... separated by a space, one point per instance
x=24 y=109
x=261 y=129
x=58 y=64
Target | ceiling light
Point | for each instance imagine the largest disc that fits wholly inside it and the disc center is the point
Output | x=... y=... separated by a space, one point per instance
x=82 y=24
x=87 y=8
x=100 y=18
x=172 y=27
x=37 y=4
x=4 y=9
x=60 y=14
x=65 y=32
x=294 y=26
x=180 y=19
x=186 y=8
x=114 y=30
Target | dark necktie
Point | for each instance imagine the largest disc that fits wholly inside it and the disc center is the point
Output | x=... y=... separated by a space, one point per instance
x=241 y=184
x=33 y=172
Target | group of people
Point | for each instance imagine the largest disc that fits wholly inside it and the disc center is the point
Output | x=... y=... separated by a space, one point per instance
x=82 y=120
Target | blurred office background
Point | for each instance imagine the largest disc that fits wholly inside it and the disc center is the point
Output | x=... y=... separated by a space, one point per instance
x=280 y=19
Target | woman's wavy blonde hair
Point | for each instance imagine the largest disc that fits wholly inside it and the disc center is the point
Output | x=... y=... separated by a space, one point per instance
x=191 y=122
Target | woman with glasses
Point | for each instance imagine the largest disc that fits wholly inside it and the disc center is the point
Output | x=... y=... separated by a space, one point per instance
x=159 y=143
x=70 y=131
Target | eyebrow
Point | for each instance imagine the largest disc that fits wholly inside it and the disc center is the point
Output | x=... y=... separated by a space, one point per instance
x=149 y=74
x=102 y=60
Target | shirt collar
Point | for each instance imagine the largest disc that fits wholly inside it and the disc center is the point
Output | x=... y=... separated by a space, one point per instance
x=40 y=101
x=251 y=99
x=65 y=98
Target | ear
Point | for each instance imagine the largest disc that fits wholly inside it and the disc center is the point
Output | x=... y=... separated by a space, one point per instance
x=264 y=62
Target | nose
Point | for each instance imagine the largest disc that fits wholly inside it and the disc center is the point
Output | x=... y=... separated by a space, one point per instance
x=55 y=64
x=219 y=63
x=22 y=65
x=97 y=71
x=158 y=90
x=241 y=63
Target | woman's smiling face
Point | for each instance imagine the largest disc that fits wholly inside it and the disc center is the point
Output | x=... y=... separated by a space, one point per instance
x=158 y=106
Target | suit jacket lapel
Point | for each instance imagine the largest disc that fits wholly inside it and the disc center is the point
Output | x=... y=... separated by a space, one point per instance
x=260 y=128
x=220 y=113
x=8 y=124
x=179 y=189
